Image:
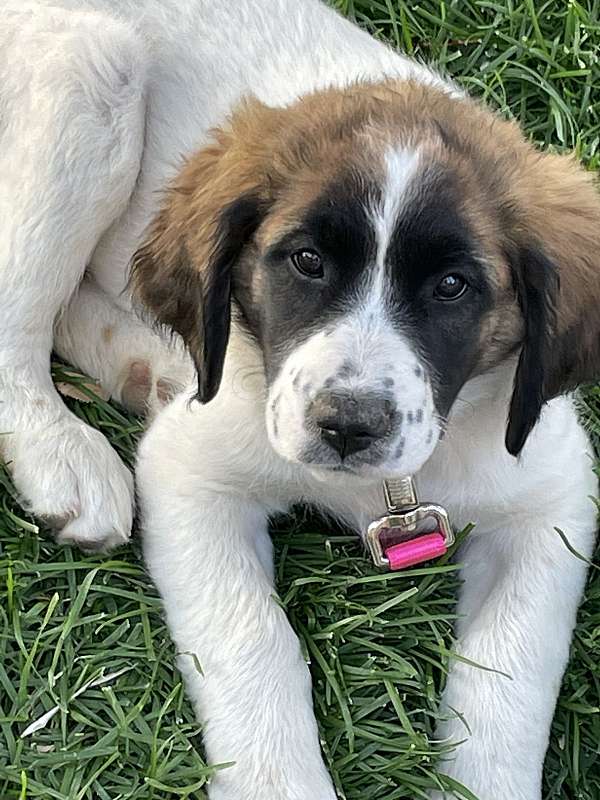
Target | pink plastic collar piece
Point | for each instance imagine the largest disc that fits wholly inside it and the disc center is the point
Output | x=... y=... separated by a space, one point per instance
x=407 y=554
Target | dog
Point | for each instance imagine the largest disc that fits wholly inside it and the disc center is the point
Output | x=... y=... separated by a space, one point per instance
x=365 y=274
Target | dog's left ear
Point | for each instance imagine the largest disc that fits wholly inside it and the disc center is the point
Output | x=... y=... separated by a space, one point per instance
x=556 y=267
x=183 y=273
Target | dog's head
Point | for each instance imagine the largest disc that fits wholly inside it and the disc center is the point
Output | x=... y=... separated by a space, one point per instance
x=382 y=244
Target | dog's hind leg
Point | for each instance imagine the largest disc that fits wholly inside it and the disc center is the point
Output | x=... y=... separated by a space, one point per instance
x=71 y=140
x=133 y=364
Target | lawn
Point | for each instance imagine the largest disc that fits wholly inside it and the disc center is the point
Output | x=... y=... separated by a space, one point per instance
x=84 y=652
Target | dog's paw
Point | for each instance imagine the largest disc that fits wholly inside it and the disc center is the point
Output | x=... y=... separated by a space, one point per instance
x=276 y=789
x=140 y=390
x=69 y=476
x=270 y=794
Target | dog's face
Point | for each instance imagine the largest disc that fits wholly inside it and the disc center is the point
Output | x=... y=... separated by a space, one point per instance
x=382 y=245
x=368 y=301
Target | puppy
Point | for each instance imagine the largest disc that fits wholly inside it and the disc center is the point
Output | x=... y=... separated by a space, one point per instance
x=367 y=275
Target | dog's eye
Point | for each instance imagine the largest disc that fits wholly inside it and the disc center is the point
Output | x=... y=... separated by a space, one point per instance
x=308 y=262
x=451 y=287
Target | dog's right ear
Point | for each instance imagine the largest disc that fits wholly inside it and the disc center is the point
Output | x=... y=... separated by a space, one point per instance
x=183 y=273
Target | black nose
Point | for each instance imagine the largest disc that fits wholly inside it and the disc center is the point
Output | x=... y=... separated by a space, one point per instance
x=347 y=439
x=351 y=423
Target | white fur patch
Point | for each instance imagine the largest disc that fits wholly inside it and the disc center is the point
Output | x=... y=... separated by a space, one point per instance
x=401 y=168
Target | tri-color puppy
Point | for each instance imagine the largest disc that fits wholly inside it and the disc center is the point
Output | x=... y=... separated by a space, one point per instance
x=358 y=259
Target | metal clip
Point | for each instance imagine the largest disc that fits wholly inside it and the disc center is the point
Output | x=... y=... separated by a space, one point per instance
x=404 y=515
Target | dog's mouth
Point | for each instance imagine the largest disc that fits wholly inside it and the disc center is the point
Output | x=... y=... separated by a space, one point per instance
x=323 y=471
x=348 y=478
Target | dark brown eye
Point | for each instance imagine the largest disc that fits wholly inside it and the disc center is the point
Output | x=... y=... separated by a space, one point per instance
x=451 y=287
x=309 y=263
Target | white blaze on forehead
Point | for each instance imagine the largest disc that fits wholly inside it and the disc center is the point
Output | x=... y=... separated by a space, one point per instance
x=401 y=166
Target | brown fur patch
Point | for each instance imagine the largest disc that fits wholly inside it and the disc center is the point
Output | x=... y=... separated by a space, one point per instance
x=136 y=385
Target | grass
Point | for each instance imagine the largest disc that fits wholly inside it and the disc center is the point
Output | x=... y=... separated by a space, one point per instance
x=82 y=639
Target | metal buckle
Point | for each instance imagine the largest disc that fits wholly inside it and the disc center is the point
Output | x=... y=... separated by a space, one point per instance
x=404 y=514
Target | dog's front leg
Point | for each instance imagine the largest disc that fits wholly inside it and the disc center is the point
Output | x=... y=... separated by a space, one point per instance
x=209 y=552
x=517 y=608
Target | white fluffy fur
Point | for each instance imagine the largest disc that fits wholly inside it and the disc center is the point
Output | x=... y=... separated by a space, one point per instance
x=93 y=127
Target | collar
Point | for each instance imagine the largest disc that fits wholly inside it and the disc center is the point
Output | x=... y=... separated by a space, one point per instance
x=411 y=532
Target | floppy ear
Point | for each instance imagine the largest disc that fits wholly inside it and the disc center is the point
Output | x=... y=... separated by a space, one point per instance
x=183 y=273
x=557 y=275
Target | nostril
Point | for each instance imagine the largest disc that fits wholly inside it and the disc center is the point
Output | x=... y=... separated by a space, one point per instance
x=347 y=439
x=334 y=438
